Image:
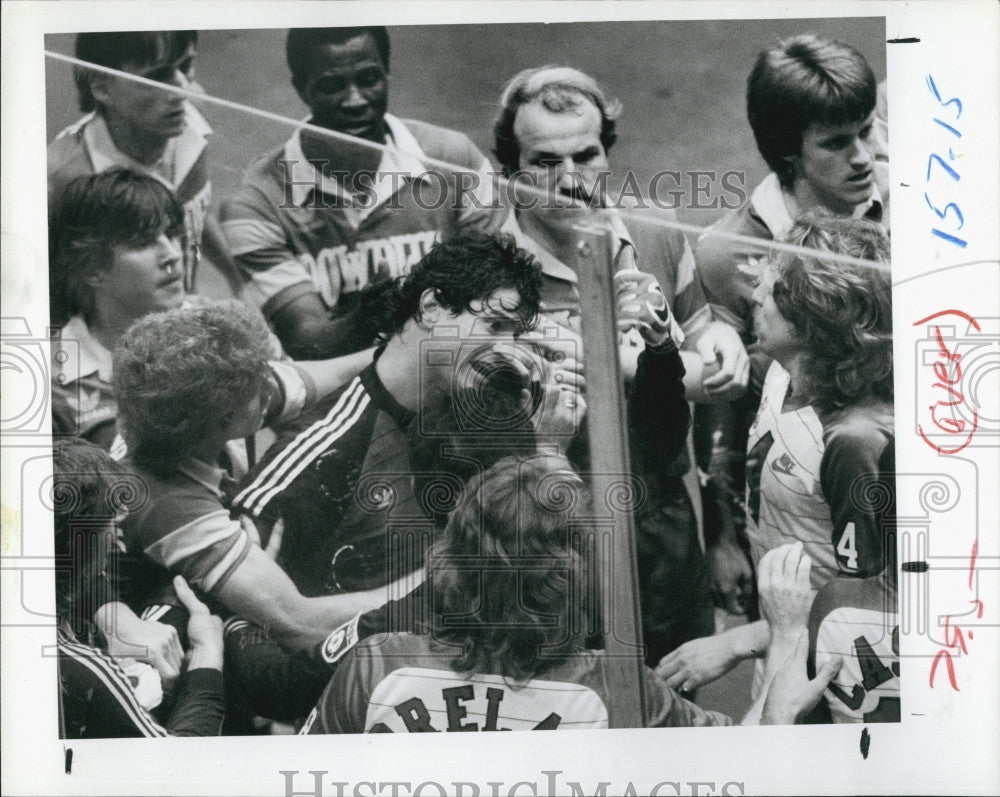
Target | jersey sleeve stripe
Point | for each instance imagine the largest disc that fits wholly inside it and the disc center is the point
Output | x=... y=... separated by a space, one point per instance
x=220 y=574
x=302 y=448
x=249 y=235
x=320 y=445
x=198 y=548
x=107 y=671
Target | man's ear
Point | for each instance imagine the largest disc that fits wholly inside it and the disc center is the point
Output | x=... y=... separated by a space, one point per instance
x=793 y=163
x=430 y=309
x=300 y=84
x=95 y=278
x=100 y=87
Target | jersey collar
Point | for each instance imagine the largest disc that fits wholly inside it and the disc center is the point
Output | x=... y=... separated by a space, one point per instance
x=184 y=150
x=90 y=358
x=406 y=159
x=770 y=204
x=555 y=268
x=381 y=397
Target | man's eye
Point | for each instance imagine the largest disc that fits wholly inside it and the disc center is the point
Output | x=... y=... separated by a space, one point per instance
x=837 y=143
x=186 y=65
x=330 y=85
x=161 y=74
x=369 y=78
x=866 y=133
x=585 y=157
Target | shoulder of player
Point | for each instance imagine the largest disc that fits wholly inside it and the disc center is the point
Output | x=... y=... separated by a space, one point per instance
x=337 y=414
x=865 y=426
x=173 y=500
x=713 y=251
x=444 y=144
x=836 y=594
x=651 y=233
x=263 y=175
x=343 y=423
x=67 y=158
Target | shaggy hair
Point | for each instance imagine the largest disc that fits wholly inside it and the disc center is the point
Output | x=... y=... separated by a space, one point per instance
x=467 y=268
x=561 y=89
x=96 y=214
x=180 y=375
x=89 y=491
x=118 y=49
x=803 y=81
x=506 y=575
x=843 y=313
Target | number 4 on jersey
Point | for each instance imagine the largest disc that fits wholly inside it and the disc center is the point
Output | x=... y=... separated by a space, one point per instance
x=847 y=548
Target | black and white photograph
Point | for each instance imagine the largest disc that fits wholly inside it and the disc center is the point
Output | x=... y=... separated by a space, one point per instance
x=402 y=373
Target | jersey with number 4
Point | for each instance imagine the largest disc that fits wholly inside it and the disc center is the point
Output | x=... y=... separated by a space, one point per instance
x=823 y=478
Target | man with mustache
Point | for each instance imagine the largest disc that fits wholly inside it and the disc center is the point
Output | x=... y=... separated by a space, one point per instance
x=325 y=215
x=554 y=130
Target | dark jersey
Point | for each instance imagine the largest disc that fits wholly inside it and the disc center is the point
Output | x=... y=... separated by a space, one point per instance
x=339 y=476
x=99 y=700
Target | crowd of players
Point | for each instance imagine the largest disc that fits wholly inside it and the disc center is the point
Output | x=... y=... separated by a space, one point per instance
x=414 y=548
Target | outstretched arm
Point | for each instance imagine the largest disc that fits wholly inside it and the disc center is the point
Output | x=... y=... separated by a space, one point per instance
x=785 y=598
x=262 y=592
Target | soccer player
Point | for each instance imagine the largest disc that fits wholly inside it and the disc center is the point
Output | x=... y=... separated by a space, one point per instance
x=458 y=432
x=503 y=651
x=115 y=248
x=323 y=216
x=187 y=382
x=472 y=291
x=857 y=620
x=103 y=696
x=134 y=125
x=824 y=424
x=811 y=103
x=554 y=130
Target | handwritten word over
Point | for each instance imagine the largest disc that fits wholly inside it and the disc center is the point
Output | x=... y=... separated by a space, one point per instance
x=943 y=415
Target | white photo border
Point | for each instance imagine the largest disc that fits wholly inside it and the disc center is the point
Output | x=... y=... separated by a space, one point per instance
x=943 y=743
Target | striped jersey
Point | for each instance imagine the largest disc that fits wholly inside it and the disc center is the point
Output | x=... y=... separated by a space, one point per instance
x=295 y=231
x=339 y=476
x=99 y=700
x=183 y=528
x=858 y=620
x=662 y=252
x=403 y=683
x=822 y=478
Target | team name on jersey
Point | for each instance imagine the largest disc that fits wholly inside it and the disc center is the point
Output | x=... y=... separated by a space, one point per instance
x=420 y=700
x=417 y=718
x=370 y=261
x=867 y=674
